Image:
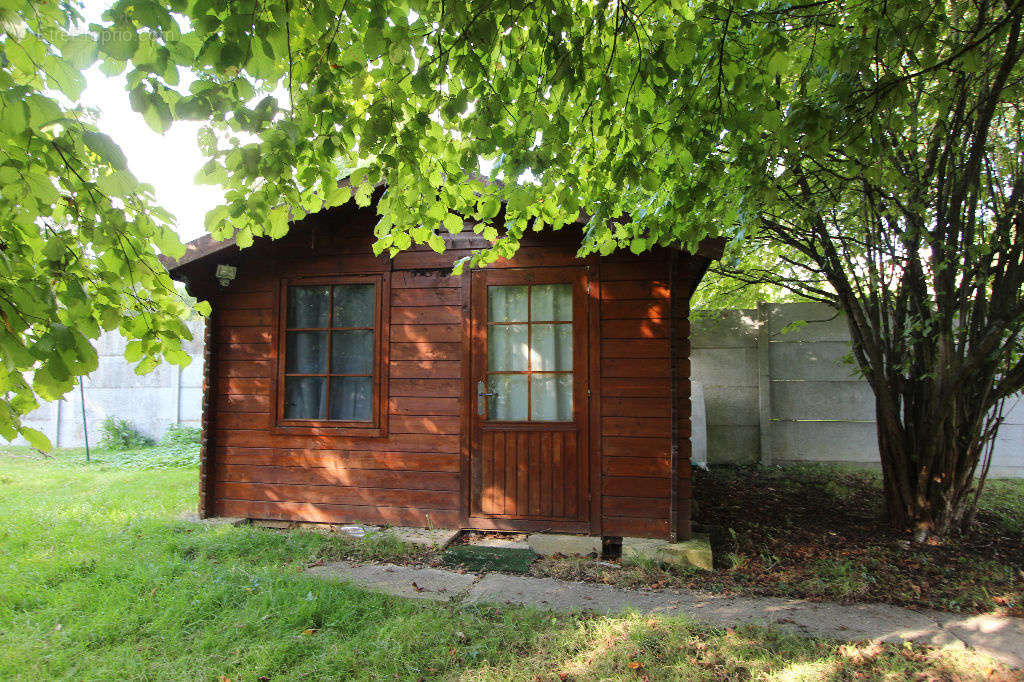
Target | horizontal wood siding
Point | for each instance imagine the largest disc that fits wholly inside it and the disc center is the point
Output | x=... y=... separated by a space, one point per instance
x=410 y=475
x=635 y=396
x=416 y=472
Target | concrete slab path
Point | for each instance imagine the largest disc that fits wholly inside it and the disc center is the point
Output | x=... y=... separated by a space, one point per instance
x=1002 y=638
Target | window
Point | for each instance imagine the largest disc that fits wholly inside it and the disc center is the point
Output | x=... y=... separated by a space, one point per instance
x=529 y=352
x=330 y=370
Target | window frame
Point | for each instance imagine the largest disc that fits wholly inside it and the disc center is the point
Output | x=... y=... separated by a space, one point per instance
x=377 y=426
x=529 y=372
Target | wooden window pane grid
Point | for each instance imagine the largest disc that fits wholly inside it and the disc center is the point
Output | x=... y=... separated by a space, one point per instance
x=505 y=379
x=330 y=377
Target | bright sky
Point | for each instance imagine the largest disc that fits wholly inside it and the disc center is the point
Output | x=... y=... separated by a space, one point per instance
x=168 y=162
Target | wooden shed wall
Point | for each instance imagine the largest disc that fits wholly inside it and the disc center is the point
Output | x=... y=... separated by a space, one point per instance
x=414 y=474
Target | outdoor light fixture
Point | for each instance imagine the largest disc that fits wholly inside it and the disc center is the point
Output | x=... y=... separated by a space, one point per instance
x=225 y=274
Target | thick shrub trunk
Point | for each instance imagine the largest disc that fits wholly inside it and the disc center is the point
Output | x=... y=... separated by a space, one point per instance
x=934 y=459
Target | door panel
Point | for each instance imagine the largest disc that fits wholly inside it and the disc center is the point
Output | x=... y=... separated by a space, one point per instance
x=529 y=461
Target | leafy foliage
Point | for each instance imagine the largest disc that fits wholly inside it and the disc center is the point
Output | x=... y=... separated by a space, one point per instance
x=79 y=235
x=181 y=434
x=572 y=106
x=120 y=434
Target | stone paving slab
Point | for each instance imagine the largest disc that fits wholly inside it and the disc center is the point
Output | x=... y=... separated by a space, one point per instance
x=400 y=581
x=999 y=637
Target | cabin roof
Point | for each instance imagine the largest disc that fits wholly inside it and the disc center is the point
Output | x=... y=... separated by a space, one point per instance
x=206 y=246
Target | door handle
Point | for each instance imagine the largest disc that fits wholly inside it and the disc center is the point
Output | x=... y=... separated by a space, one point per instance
x=481 y=393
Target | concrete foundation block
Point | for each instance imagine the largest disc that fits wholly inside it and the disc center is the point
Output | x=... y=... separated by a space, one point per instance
x=695 y=552
x=193 y=517
x=548 y=544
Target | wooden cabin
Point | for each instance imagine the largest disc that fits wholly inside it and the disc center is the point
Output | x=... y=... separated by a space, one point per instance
x=545 y=392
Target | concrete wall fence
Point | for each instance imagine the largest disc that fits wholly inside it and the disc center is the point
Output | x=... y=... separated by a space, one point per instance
x=778 y=392
x=774 y=392
x=151 y=402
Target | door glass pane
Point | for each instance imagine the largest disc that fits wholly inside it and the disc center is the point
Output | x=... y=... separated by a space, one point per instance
x=306 y=352
x=352 y=352
x=551 y=397
x=351 y=399
x=551 y=347
x=353 y=305
x=308 y=306
x=551 y=302
x=509 y=403
x=506 y=304
x=507 y=348
x=305 y=397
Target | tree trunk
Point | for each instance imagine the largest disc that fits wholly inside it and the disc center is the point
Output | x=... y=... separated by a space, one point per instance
x=929 y=467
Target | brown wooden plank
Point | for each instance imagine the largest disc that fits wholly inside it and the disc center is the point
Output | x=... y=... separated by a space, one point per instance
x=511 y=475
x=335 y=264
x=425 y=424
x=557 y=474
x=626 y=367
x=648 y=309
x=546 y=476
x=634 y=290
x=449 y=297
x=637 y=466
x=523 y=473
x=226 y=334
x=616 y=446
x=262 y=317
x=487 y=472
x=331 y=494
x=643 y=269
x=636 y=486
x=634 y=329
x=424 y=406
x=498 y=472
x=426 y=351
x=646 y=387
x=615 y=406
x=244 y=369
x=417 y=333
x=426 y=369
x=573 y=468
x=634 y=527
x=244 y=386
x=533 y=443
x=246 y=351
x=243 y=402
x=396 y=443
x=635 y=348
x=442 y=388
x=636 y=426
x=447 y=314
x=359 y=478
x=243 y=420
x=241 y=300
x=339 y=459
x=412 y=279
x=304 y=511
x=646 y=507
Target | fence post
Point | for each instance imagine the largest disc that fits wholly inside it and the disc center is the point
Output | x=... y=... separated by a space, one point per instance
x=764 y=381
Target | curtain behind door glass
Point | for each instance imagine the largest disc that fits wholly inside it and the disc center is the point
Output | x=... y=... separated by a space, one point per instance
x=544 y=344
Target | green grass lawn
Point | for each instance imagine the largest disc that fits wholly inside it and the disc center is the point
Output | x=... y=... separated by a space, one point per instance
x=99 y=580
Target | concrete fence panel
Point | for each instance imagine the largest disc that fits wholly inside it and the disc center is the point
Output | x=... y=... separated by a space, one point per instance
x=779 y=387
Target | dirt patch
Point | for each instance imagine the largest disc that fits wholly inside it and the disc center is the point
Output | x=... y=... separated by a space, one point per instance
x=818 y=533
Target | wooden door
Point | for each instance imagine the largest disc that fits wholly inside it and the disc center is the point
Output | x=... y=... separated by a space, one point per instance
x=529 y=465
